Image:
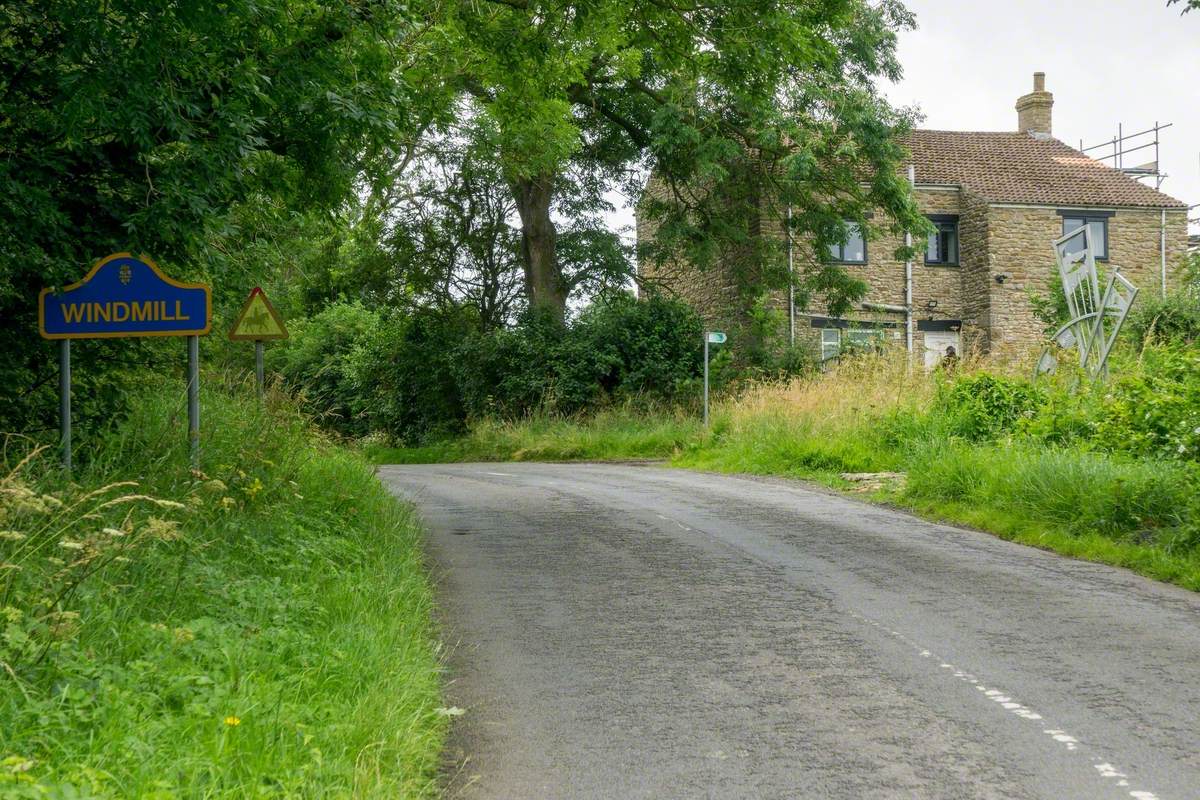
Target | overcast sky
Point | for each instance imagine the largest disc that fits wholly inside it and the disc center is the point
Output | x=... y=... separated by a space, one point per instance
x=1114 y=61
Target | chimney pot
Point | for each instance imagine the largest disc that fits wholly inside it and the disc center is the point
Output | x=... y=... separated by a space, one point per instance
x=1039 y=81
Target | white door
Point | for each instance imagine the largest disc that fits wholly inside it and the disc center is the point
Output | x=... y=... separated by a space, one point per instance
x=936 y=345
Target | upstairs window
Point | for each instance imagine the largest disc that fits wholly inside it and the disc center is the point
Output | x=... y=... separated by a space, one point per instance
x=942 y=247
x=854 y=251
x=1094 y=221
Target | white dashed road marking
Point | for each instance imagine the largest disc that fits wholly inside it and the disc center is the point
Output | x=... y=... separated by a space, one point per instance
x=1007 y=703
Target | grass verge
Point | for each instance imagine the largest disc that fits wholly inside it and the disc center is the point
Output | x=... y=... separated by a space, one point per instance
x=260 y=629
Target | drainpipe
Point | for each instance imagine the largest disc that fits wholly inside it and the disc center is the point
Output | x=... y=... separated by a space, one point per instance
x=908 y=280
x=791 y=281
x=1162 y=249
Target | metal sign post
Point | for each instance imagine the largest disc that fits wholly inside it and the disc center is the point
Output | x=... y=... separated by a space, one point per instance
x=259 y=378
x=193 y=399
x=715 y=337
x=64 y=400
x=124 y=296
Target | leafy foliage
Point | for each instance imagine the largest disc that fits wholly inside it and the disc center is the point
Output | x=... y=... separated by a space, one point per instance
x=1174 y=319
x=133 y=125
x=320 y=358
x=982 y=406
x=735 y=106
x=421 y=375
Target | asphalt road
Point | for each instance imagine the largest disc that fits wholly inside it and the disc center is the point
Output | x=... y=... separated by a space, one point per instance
x=638 y=632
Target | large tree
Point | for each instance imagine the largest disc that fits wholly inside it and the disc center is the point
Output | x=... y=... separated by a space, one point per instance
x=736 y=105
x=142 y=125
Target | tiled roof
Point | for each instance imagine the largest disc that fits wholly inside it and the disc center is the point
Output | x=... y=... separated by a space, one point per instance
x=1019 y=168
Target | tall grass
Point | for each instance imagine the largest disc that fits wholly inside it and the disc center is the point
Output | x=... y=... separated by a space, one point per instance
x=613 y=434
x=816 y=424
x=265 y=632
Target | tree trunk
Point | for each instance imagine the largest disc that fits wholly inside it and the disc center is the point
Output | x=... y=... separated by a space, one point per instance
x=543 y=281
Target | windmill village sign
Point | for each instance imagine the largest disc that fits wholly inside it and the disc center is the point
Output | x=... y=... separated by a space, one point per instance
x=123 y=296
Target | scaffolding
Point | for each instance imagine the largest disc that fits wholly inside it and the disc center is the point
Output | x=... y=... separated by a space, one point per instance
x=1116 y=150
x=1124 y=144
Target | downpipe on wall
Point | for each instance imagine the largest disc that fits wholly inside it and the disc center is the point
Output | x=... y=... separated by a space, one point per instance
x=908 y=279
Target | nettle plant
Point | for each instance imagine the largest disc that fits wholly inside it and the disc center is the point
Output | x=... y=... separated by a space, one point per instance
x=57 y=545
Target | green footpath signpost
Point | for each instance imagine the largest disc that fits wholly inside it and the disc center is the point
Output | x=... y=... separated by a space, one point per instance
x=125 y=295
x=712 y=337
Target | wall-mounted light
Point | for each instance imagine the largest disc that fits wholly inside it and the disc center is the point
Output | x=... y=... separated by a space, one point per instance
x=931 y=304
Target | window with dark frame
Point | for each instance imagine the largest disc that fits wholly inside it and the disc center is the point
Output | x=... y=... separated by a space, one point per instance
x=1096 y=222
x=854 y=251
x=942 y=247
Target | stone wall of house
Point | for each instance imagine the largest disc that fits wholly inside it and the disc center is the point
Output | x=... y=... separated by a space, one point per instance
x=713 y=292
x=1014 y=242
x=1020 y=249
x=976 y=275
x=1135 y=247
x=937 y=289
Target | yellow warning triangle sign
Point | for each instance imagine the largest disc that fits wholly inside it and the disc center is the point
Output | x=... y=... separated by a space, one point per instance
x=258 y=320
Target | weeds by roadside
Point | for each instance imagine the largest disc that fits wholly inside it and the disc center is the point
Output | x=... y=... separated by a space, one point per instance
x=258 y=629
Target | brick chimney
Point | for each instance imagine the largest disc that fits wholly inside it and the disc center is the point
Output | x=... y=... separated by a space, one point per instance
x=1033 y=109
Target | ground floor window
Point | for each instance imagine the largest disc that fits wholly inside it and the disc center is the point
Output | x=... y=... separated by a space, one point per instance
x=831 y=343
x=864 y=338
x=835 y=341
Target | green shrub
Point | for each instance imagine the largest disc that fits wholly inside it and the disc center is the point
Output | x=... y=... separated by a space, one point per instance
x=319 y=361
x=408 y=372
x=983 y=406
x=1173 y=319
x=650 y=346
x=420 y=376
x=1152 y=409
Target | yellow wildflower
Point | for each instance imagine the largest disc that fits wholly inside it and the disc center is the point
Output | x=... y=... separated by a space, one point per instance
x=232 y=721
x=162 y=529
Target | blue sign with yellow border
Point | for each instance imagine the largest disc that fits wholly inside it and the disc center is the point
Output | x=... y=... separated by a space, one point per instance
x=125 y=295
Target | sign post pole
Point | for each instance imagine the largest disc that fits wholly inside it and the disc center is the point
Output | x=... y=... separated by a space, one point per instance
x=64 y=400
x=193 y=399
x=258 y=367
x=713 y=337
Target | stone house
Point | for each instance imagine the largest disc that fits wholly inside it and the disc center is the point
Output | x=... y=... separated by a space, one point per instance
x=998 y=200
